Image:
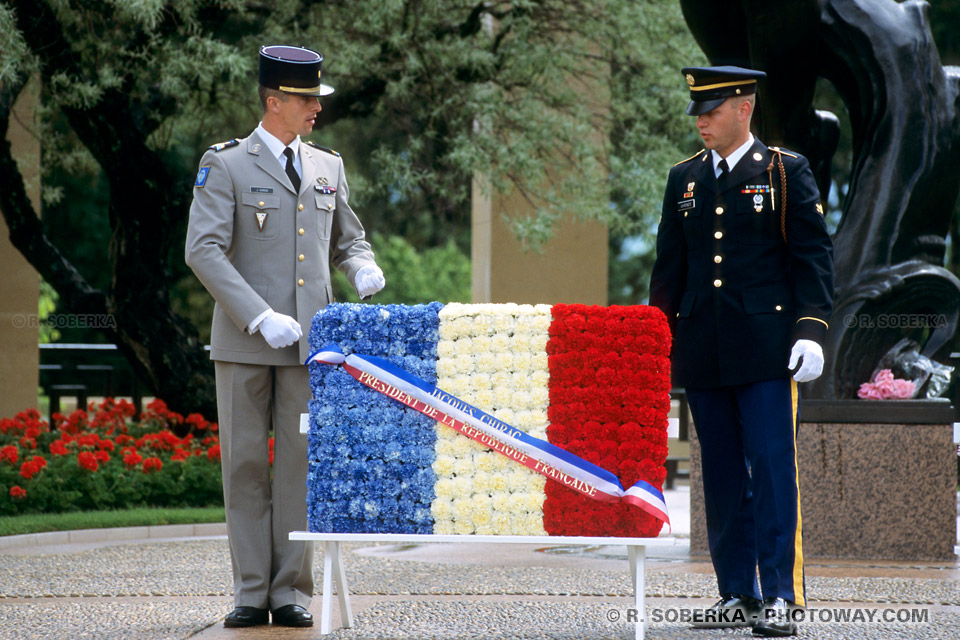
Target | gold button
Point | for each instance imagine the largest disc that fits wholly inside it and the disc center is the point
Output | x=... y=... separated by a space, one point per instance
x=778 y=308
x=718 y=259
x=717 y=283
x=686 y=213
x=718 y=235
x=330 y=206
x=300 y=282
x=261 y=203
x=719 y=210
x=300 y=207
x=301 y=257
x=300 y=231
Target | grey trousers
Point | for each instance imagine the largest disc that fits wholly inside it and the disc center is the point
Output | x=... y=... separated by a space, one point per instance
x=269 y=571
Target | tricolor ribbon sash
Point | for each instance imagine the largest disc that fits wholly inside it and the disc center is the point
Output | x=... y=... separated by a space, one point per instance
x=540 y=456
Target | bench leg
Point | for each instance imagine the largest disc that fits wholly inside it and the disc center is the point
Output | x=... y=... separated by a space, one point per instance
x=637 y=555
x=343 y=591
x=325 y=604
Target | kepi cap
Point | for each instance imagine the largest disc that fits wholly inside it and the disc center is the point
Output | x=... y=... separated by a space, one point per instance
x=292 y=70
x=710 y=86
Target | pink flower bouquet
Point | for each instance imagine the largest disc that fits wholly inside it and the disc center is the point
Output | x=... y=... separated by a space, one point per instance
x=885 y=387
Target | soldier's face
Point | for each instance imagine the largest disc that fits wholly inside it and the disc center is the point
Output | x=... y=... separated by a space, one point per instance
x=298 y=114
x=726 y=127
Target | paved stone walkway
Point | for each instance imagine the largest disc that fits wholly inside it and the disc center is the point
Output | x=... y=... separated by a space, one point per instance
x=156 y=589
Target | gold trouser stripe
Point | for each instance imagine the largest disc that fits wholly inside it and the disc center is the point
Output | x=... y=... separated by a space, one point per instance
x=315 y=89
x=798 y=539
x=815 y=320
x=720 y=85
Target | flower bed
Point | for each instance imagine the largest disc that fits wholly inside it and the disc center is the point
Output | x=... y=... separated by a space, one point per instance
x=104 y=459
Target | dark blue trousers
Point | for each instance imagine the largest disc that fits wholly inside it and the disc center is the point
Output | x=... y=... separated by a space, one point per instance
x=749 y=457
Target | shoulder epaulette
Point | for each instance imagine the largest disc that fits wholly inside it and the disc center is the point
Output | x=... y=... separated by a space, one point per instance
x=316 y=146
x=786 y=153
x=691 y=157
x=220 y=146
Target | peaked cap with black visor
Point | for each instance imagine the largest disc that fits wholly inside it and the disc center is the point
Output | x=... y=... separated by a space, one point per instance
x=295 y=70
x=710 y=86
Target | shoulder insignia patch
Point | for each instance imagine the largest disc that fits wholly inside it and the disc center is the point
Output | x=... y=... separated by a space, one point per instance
x=316 y=146
x=220 y=146
x=697 y=154
x=786 y=153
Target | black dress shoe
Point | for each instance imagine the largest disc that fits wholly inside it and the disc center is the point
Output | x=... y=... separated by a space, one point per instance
x=292 y=615
x=246 y=617
x=733 y=610
x=775 y=619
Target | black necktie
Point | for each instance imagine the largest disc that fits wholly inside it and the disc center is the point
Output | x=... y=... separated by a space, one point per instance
x=291 y=172
x=724 y=169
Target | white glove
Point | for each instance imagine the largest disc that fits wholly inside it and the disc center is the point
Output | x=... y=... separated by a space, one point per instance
x=280 y=330
x=812 y=354
x=369 y=280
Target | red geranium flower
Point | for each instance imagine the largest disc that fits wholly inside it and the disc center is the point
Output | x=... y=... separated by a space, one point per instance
x=102 y=456
x=32 y=467
x=10 y=454
x=152 y=464
x=213 y=453
x=132 y=459
x=58 y=448
x=87 y=460
x=17 y=492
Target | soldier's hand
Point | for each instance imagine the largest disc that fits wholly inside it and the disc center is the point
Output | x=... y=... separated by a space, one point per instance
x=812 y=365
x=369 y=280
x=280 y=330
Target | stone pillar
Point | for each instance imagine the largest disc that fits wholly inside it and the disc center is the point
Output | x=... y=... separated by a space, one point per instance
x=572 y=267
x=20 y=291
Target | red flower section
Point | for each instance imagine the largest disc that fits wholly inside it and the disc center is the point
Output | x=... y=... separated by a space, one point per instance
x=213 y=453
x=17 y=492
x=609 y=399
x=152 y=464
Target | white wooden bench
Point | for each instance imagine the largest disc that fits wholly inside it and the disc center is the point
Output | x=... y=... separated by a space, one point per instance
x=333 y=562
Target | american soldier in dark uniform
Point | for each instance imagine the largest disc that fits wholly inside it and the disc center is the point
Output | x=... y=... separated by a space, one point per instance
x=744 y=274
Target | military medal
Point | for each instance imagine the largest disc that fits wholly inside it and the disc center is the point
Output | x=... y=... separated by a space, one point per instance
x=261 y=218
x=758 y=203
x=322 y=180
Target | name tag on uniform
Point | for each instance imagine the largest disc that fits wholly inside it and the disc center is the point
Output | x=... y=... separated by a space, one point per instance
x=261 y=189
x=686 y=204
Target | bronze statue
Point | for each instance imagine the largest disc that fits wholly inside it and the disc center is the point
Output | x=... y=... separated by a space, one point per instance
x=903 y=104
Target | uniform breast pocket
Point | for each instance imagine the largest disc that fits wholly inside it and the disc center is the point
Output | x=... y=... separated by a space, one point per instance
x=326 y=206
x=690 y=219
x=259 y=215
x=758 y=222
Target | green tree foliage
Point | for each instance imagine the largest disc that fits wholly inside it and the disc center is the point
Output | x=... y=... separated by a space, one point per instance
x=575 y=104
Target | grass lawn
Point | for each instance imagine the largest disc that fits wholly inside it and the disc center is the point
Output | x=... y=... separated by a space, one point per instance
x=40 y=522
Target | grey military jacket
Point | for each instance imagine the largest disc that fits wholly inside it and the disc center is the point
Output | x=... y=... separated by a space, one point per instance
x=256 y=244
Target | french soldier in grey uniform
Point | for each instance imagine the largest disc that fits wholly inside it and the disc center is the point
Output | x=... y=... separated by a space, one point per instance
x=270 y=213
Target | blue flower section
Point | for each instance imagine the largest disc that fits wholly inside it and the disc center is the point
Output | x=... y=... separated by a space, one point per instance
x=371 y=458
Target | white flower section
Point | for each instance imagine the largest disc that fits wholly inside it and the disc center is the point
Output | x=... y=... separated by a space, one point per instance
x=492 y=356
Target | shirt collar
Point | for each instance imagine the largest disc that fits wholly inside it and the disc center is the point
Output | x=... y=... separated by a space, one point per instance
x=734 y=157
x=276 y=147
